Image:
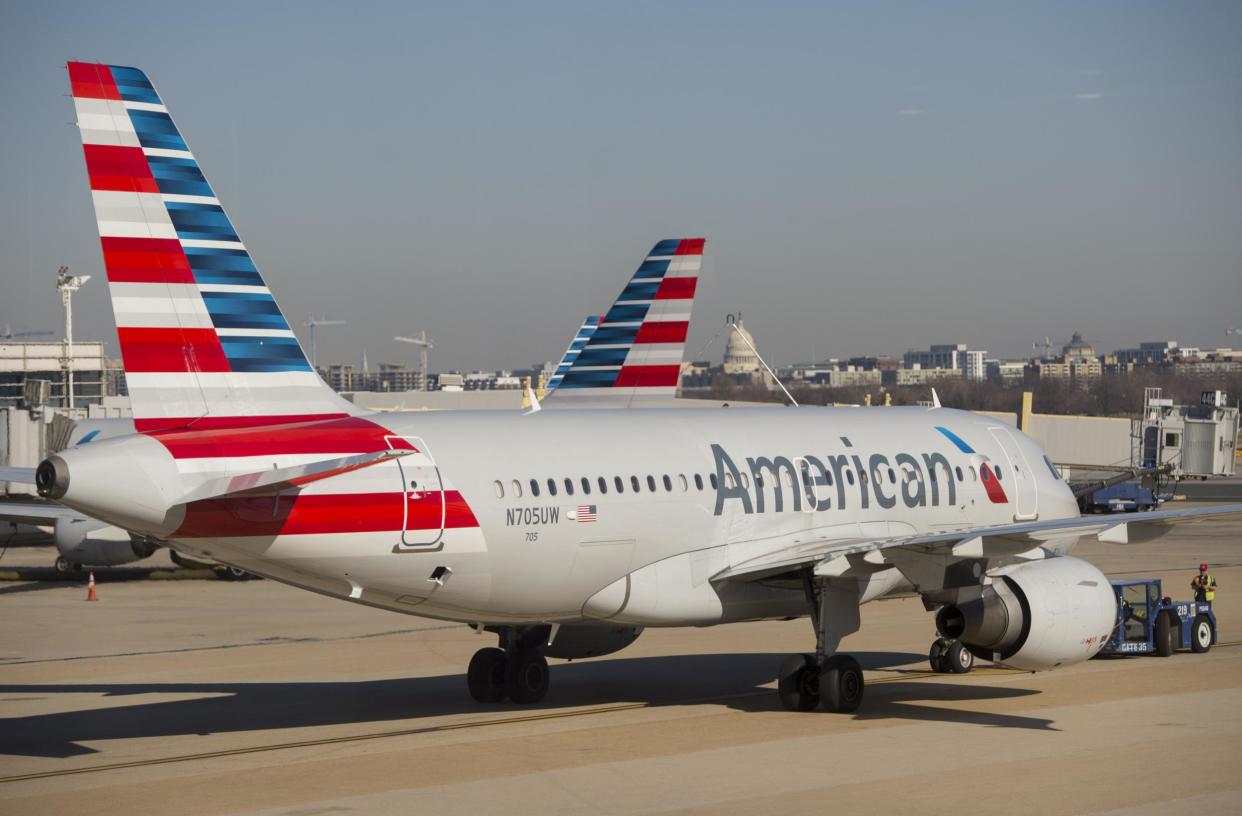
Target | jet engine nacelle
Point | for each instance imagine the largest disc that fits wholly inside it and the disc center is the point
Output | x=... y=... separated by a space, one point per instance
x=130 y=481
x=97 y=544
x=1035 y=616
x=577 y=641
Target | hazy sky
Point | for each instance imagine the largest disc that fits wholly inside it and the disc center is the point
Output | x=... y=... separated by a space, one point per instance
x=870 y=176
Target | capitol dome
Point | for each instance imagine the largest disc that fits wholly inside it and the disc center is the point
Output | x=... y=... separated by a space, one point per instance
x=739 y=358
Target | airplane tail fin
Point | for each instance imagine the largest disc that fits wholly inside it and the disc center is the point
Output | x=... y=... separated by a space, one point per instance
x=576 y=345
x=635 y=352
x=201 y=335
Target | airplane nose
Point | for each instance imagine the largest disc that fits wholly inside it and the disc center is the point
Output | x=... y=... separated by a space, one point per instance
x=52 y=478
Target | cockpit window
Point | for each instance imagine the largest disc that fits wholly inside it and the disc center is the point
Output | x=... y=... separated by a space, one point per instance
x=1055 y=473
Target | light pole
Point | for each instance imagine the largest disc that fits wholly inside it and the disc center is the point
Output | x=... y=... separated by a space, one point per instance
x=68 y=284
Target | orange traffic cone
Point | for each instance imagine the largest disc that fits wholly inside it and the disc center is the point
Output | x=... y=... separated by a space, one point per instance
x=90 y=589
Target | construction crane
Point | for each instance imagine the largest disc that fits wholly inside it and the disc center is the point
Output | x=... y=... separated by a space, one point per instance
x=1046 y=346
x=9 y=334
x=312 y=324
x=425 y=344
x=68 y=285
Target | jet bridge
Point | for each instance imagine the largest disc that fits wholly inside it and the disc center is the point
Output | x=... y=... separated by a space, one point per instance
x=1186 y=441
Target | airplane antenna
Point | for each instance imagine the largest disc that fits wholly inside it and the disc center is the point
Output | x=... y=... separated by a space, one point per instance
x=426 y=344
x=311 y=324
x=535 y=407
x=751 y=346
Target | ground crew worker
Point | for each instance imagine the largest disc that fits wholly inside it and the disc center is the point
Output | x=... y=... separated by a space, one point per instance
x=1204 y=585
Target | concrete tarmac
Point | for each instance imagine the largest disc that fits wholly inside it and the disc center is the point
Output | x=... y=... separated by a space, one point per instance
x=208 y=697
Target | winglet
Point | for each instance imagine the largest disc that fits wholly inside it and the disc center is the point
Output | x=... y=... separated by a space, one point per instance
x=935 y=399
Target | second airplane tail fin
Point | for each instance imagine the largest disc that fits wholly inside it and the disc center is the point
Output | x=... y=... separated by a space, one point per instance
x=634 y=354
x=201 y=335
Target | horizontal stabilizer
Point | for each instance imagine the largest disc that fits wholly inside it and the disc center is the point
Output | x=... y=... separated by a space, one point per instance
x=17 y=474
x=278 y=479
x=38 y=513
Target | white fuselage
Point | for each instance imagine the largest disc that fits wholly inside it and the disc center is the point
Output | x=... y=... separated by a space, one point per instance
x=642 y=556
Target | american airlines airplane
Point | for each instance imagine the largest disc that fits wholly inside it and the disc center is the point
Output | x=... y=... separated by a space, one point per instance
x=563 y=532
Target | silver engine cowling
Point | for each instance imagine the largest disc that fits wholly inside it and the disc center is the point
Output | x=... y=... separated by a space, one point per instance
x=1035 y=616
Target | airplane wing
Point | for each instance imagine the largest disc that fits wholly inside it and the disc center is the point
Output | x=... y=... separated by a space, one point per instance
x=37 y=513
x=633 y=355
x=17 y=474
x=278 y=479
x=803 y=549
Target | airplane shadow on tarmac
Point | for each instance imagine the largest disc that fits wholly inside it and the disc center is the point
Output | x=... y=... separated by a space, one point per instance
x=735 y=679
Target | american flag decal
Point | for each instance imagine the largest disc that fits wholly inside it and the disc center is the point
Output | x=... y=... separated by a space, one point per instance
x=585 y=513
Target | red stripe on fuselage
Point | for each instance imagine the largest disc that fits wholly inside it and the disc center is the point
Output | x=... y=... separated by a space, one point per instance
x=145 y=260
x=647 y=375
x=221 y=423
x=111 y=167
x=147 y=350
x=322 y=514
x=332 y=436
x=91 y=81
x=668 y=331
x=676 y=289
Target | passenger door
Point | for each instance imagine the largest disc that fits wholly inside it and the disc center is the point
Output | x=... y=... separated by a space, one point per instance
x=422 y=490
x=1022 y=482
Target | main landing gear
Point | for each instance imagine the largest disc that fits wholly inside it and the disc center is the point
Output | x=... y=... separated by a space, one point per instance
x=825 y=679
x=950 y=656
x=518 y=672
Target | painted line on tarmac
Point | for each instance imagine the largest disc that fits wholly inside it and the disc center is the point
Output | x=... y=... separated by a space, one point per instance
x=462 y=726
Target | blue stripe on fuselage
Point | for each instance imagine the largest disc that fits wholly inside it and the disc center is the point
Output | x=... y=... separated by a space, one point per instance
x=955 y=439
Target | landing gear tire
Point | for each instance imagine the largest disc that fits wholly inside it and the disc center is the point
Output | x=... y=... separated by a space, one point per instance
x=798 y=683
x=958 y=659
x=63 y=565
x=233 y=574
x=1201 y=634
x=526 y=676
x=935 y=656
x=1164 y=636
x=486 y=675
x=841 y=684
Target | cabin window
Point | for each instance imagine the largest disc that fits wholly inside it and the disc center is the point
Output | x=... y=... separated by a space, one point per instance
x=603 y=485
x=534 y=487
x=499 y=488
x=986 y=477
x=728 y=480
x=828 y=476
x=650 y=482
x=711 y=478
x=618 y=484
x=892 y=477
x=698 y=481
x=569 y=486
x=668 y=484
x=849 y=476
x=759 y=480
x=958 y=471
x=974 y=475
x=745 y=480
x=998 y=473
x=517 y=488
x=634 y=484
x=586 y=486
x=681 y=479
x=551 y=487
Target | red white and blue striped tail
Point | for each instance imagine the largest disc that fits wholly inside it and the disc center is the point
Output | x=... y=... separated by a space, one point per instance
x=201 y=335
x=634 y=355
x=571 y=354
